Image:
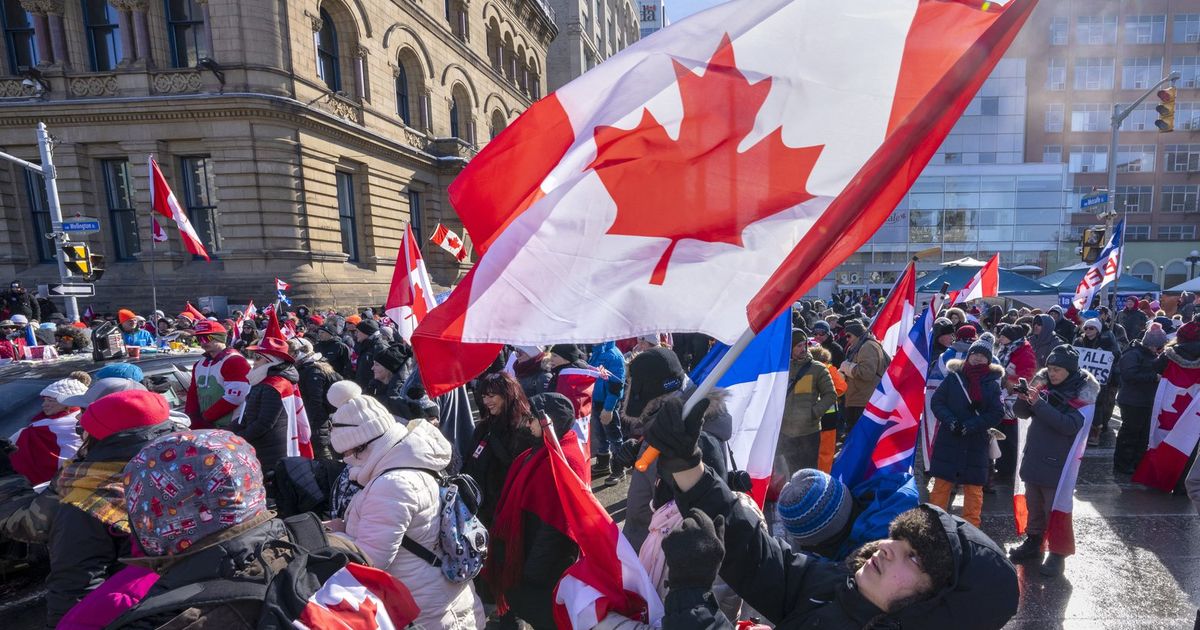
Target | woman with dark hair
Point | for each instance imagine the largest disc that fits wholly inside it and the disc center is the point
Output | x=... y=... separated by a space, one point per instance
x=503 y=409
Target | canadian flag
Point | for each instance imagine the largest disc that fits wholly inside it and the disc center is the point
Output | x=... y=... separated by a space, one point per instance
x=449 y=241
x=1175 y=430
x=168 y=206
x=358 y=597
x=895 y=319
x=705 y=177
x=410 y=297
x=985 y=283
x=160 y=234
x=280 y=285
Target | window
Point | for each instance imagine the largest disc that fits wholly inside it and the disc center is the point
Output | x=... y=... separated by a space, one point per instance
x=1180 y=198
x=1183 y=158
x=185 y=26
x=1090 y=116
x=460 y=115
x=1187 y=29
x=118 y=189
x=987 y=157
x=18 y=36
x=1136 y=158
x=1143 y=270
x=104 y=38
x=989 y=105
x=346 y=216
x=1058 y=31
x=1139 y=233
x=1139 y=73
x=952 y=157
x=1140 y=119
x=1088 y=159
x=1134 y=198
x=1175 y=273
x=328 y=61
x=1176 y=232
x=1052 y=154
x=39 y=209
x=1056 y=75
x=402 y=103
x=1187 y=115
x=1094 y=73
x=455 y=127
x=1188 y=69
x=1096 y=29
x=200 y=197
x=1145 y=29
x=414 y=214
x=1055 y=112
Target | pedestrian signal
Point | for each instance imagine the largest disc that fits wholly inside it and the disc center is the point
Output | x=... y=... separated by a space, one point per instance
x=82 y=262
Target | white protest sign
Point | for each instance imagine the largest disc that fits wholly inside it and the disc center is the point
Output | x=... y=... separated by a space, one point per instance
x=1098 y=362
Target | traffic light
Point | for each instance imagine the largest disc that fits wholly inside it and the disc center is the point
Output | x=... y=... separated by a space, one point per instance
x=1166 y=110
x=1092 y=244
x=81 y=261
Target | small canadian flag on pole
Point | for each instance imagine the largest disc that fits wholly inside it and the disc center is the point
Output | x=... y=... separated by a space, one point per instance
x=160 y=235
x=280 y=285
x=168 y=206
x=411 y=294
x=449 y=241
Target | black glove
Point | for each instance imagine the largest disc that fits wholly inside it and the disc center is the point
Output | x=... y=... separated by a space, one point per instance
x=676 y=437
x=694 y=551
x=626 y=455
x=958 y=429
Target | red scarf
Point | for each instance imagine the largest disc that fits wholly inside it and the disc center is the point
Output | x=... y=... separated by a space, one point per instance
x=973 y=375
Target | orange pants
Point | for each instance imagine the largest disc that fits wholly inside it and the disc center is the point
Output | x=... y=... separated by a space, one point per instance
x=825 y=455
x=972 y=499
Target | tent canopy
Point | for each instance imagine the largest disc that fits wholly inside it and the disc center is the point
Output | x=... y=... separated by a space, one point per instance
x=1065 y=280
x=1192 y=285
x=1011 y=284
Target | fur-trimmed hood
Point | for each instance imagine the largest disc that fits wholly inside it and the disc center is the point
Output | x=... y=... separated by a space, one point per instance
x=1173 y=354
x=1087 y=394
x=955 y=365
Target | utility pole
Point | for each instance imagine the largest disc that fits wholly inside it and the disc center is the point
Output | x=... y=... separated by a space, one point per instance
x=49 y=176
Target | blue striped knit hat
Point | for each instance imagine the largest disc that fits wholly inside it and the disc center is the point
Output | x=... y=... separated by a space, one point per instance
x=813 y=507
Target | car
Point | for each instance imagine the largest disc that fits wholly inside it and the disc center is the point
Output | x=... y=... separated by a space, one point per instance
x=21 y=383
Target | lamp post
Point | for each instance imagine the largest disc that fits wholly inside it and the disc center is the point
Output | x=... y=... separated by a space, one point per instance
x=1192 y=260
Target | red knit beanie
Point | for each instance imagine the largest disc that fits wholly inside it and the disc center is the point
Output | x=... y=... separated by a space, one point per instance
x=123 y=411
x=1189 y=333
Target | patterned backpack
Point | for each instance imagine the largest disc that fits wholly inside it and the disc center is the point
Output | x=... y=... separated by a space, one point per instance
x=462 y=538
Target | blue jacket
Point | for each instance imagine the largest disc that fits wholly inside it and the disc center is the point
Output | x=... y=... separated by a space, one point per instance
x=608 y=395
x=964 y=458
x=140 y=337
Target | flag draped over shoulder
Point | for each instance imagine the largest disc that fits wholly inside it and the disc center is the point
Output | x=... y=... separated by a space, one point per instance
x=1175 y=430
x=1060 y=531
x=702 y=179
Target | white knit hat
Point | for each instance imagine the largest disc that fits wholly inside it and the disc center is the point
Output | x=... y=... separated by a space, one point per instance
x=1093 y=323
x=63 y=389
x=358 y=419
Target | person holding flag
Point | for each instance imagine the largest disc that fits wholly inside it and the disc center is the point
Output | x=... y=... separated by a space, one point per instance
x=273 y=419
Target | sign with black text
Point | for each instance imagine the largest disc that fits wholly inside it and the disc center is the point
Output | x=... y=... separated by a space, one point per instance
x=1098 y=362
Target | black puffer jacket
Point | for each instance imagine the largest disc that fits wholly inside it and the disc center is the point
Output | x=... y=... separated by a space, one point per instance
x=1058 y=416
x=337 y=354
x=490 y=456
x=83 y=550
x=963 y=459
x=367 y=349
x=316 y=377
x=1140 y=368
x=264 y=421
x=1134 y=322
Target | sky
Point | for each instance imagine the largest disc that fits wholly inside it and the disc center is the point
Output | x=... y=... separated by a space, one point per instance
x=679 y=9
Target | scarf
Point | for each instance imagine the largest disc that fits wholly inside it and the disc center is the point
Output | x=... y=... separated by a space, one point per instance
x=97 y=489
x=1007 y=351
x=973 y=375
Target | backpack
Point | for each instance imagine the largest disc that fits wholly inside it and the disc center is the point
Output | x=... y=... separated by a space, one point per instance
x=462 y=539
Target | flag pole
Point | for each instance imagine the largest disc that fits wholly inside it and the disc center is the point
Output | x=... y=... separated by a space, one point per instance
x=153 y=266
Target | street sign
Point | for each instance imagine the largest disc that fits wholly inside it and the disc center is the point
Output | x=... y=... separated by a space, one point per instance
x=72 y=290
x=80 y=225
x=1094 y=199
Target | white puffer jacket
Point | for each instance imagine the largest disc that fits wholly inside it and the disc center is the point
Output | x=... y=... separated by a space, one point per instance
x=399 y=503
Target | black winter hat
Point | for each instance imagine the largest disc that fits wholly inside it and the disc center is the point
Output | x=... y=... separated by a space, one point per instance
x=855 y=327
x=981 y=347
x=555 y=406
x=1065 y=357
x=651 y=374
x=569 y=351
x=368 y=327
x=392 y=358
x=1014 y=332
x=942 y=326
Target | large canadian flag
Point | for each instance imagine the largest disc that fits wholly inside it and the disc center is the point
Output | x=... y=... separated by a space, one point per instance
x=410 y=297
x=705 y=177
x=1176 y=428
x=168 y=206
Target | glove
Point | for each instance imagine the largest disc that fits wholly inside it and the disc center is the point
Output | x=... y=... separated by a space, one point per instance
x=625 y=455
x=676 y=437
x=694 y=551
x=958 y=429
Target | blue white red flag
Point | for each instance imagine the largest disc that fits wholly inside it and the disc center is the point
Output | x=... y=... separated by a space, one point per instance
x=1106 y=269
x=757 y=387
x=885 y=438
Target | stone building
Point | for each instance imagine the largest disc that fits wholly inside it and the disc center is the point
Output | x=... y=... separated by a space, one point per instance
x=590 y=31
x=300 y=135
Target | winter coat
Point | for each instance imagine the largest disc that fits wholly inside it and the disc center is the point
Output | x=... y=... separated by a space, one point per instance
x=808 y=398
x=1108 y=342
x=963 y=459
x=337 y=354
x=264 y=422
x=1140 y=370
x=836 y=353
x=533 y=378
x=799 y=591
x=83 y=549
x=21 y=304
x=1187 y=309
x=316 y=377
x=870 y=363
x=397 y=502
x=1065 y=328
x=490 y=456
x=1058 y=418
x=940 y=368
x=366 y=350
x=1118 y=331
x=138 y=337
x=1045 y=341
x=392 y=395
x=607 y=394
x=548 y=553
x=1134 y=322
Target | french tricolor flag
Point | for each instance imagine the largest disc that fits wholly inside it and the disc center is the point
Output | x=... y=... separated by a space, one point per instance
x=756 y=385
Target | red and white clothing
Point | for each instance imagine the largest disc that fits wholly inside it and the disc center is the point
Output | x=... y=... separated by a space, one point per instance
x=219 y=387
x=45 y=445
x=576 y=381
x=14 y=349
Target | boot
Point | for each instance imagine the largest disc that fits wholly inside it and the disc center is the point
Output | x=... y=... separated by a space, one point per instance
x=616 y=474
x=1054 y=566
x=602 y=464
x=1029 y=550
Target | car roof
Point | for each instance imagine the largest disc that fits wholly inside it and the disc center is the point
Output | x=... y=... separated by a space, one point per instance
x=63 y=366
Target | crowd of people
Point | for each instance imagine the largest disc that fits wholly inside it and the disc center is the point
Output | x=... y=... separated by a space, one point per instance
x=298 y=415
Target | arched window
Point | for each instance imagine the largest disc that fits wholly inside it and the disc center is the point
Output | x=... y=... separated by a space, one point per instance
x=1175 y=273
x=460 y=114
x=494 y=47
x=328 y=60
x=19 y=36
x=455 y=112
x=498 y=123
x=1143 y=271
x=403 y=107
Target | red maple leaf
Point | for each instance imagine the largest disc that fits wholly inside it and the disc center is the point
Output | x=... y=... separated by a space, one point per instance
x=1168 y=417
x=453 y=242
x=342 y=615
x=700 y=186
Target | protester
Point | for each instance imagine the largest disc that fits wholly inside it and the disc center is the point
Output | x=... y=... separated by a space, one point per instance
x=1104 y=314
x=505 y=409
x=810 y=394
x=1187 y=306
x=248 y=335
x=967 y=405
x=865 y=364
x=1141 y=368
x=368 y=344
x=400 y=503
x=50 y=441
x=316 y=377
x=833 y=416
x=219 y=380
x=12 y=341
x=1095 y=336
x=572 y=377
x=1060 y=403
x=91 y=529
x=1019 y=361
x=388 y=377
x=531 y=367
x=131 y=329
x=821 y=332
x=605 y=419
x=71 y=339
x=337 y=353
x=1044 y=339
x=1063 y=326
x=269 y=407
x=1132 y=318
x=18 y=301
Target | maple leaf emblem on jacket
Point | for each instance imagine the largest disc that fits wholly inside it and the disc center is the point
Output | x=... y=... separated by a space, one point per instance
x=700 y=186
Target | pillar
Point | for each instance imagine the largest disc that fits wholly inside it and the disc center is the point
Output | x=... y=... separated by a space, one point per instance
x=208 y=37
x=125 y=25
